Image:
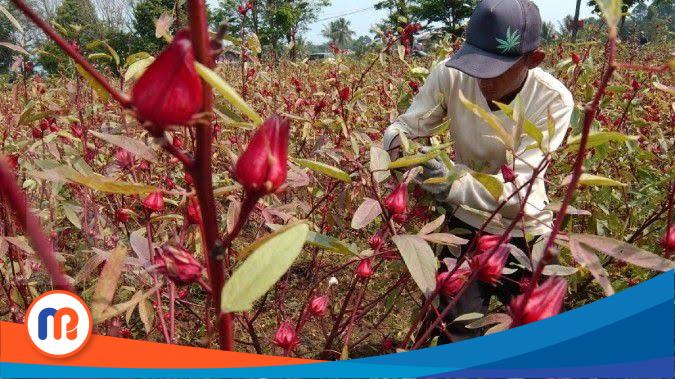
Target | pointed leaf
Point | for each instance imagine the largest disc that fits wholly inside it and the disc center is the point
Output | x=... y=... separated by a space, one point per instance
x=587 y=258
x=366 y=213
x=323 y=168
x=229 y=93
x=625 y=252
x=133 y=145
x=420 y=260
x=107 y=282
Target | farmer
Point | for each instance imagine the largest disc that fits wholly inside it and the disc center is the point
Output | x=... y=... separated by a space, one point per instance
x=499 y=61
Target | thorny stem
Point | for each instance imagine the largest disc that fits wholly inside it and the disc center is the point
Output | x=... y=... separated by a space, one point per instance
x=31 y=225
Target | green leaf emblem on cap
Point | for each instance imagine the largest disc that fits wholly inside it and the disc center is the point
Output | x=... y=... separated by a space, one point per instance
x=509 y=42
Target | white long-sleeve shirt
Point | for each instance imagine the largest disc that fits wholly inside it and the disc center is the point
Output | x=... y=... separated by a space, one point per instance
x=476 y=149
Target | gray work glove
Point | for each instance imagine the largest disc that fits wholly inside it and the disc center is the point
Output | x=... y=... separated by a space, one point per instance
x=434 y=168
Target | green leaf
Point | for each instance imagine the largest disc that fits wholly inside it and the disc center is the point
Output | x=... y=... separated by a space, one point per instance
x=597 y=139
x=529 y=128
x=595 y=180
x=133 y=145
x=588 y=259
x=379 y=164
x=263 y=268
x=420 y=260
x=101 y=92
x=491 y=184
x=101 y=183
x=489 y=119
x=220 y=85
x=325 y=169
x=11 y=18
x=71 y=215
x=330 y=243
x=137 y=68
x=106 y=285
x=413 y=160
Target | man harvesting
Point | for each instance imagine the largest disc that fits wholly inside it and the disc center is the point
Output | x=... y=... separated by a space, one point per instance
x=499 y=62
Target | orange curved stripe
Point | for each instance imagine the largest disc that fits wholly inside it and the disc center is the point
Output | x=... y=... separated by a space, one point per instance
x=102 y=351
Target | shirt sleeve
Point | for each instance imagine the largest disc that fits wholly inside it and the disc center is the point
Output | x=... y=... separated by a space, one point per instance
x=427 y=110
x=466 y=190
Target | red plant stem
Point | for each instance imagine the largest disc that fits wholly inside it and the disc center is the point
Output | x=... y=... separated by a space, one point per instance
x=577 y=170
x=202 y=173
x=31 y=225
x=73 y=53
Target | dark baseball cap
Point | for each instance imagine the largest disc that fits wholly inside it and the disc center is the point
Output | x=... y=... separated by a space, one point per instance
x=499 y=33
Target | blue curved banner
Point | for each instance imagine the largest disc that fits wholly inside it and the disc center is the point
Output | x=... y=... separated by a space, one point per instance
x=630 y=334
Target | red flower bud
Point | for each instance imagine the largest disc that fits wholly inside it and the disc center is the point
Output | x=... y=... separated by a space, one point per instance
x=285 y=337
x=124 y=158
x=154 y=201
x=489 y=242
x=376 y=241
x=178 y=265
x=636 y=85
x=123 y=215
x=345 y=93
x=318 y=305
x=396 y=201
x=400 y=218
x=668 y=239
x=188 y=180
x=489 y=265
x=576 y=58
x=194 y=215
x=262 y=168
x=508 y=174
x=77 y=130
x=170 y=92
x=364 y=269
x=450 y=285
x=546 y=301
x=144 y=166
x=36 y=133
x=177 y=142
x=13 y=160
x=414 y=86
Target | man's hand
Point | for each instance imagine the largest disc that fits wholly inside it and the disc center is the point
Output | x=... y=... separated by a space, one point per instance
x=434 y=168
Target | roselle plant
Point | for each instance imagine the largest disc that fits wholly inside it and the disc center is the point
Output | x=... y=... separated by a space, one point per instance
x=294 y=233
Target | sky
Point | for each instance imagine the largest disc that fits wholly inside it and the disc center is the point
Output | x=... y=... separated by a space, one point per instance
x=364 y=16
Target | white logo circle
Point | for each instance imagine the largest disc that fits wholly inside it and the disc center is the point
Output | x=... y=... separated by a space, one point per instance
x=58 y=323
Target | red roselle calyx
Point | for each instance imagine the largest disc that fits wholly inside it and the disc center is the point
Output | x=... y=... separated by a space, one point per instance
x=170 y=91
x=154 y=201
x=123 y=215
x=124 y=158
x=448 y=284
x=668 y=240
x=397 y=200
x=489 y=242
x=376 y=241
x=345 y=93
x=318 y=306
x=576 y=59
x=193 y=211
x=489 y=265
x=546 y=301
x=508 y=174
x=364 y=269
x=178 y=265
x=286 y=338
x=262 y=167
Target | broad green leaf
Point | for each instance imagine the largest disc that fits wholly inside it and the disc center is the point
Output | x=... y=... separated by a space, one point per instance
x=598 y=138
x=444 y=239
x=263 y=268
x=489 y=119
x=137 y=68
x=413 y=160
x=133 y=145
x=14 y=47
x=379 y=164
x=101 y=92
x=325 y=169
x=325 y=242
x=71 y=215
x=98 y=56
x=595 y=180
x=493 y=185
x=106 y=285
x=101 y=183
x=432 y=226
x=366 y=213
x=253 y=43
x=491 y=319
x=468 y=317
x=220 y=85
x=625 y=252
x=529 y=127
x=558 y=270
x=420 y=260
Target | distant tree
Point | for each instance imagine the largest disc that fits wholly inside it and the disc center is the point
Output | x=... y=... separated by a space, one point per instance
x=626 y=5
x=548 y=32
x=338 y=32
x=448 y=13
x=146 y=12
x=6 y=34
x=361 y=45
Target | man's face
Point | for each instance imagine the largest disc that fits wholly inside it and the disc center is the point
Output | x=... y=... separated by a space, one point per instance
x=504 y=84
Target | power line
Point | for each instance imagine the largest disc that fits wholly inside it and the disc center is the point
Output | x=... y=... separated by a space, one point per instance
x=345 y=14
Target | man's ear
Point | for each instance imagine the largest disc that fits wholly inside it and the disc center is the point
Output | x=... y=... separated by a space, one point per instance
x=535 y=58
